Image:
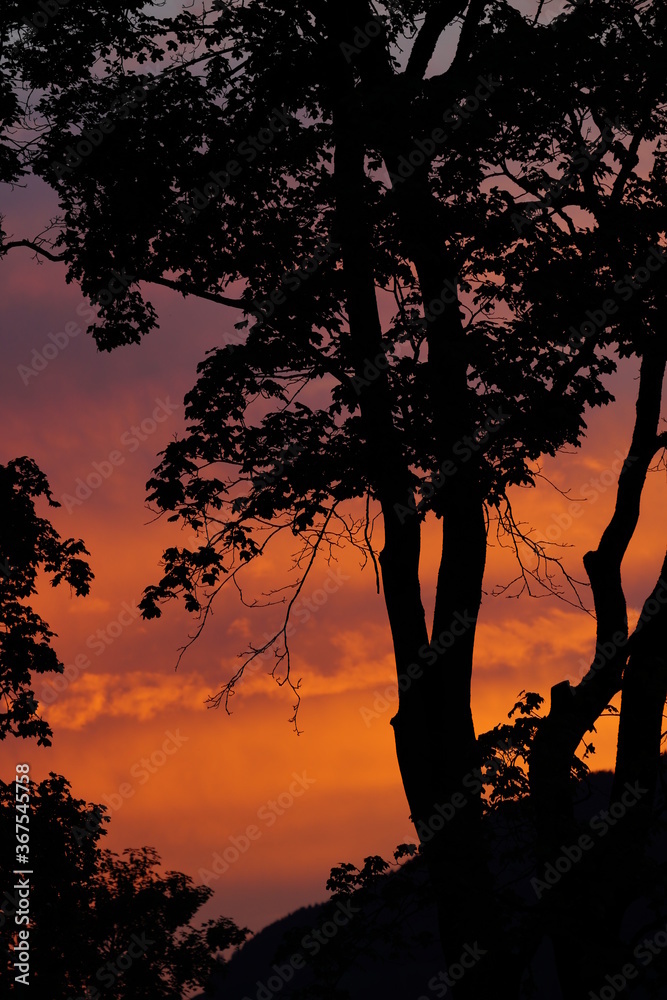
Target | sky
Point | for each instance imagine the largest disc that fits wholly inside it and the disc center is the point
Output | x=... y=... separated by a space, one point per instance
x=273 y=810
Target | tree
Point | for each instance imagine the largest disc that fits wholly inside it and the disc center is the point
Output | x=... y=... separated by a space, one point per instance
x=29 y=543
x=291 y=162
x=101 y=924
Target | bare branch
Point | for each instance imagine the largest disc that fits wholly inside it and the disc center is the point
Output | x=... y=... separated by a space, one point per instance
x=541 y=574
x=368 y=538
x=227 y=691
x=36 y=247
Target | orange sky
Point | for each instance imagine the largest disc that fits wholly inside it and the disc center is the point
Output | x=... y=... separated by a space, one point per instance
x=225 y=771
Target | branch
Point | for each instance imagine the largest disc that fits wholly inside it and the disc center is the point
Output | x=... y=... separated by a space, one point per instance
x=435 y=22
x=208 y=606
x=630 y=162
x=541 y=574
x=322 y=360
x=604 y=564
x=32 y=246
x=227 y=691
x=369 y=541
x=574 y=710
x=178 y=286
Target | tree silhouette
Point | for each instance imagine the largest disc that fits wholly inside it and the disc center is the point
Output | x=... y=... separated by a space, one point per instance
x=446 y=264
x=102 y=925
x=29 y=543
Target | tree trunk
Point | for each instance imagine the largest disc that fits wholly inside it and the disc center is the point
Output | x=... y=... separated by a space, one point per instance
x=574 y=711
x=583 y=956
x=435 y=738
x=434 y=732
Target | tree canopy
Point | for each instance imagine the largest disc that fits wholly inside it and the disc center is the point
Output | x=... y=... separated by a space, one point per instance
x=28 y=544
x=102 y=924
x=440 y=226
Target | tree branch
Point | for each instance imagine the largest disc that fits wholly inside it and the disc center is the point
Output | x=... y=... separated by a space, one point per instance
x=32 y=246
x=435 y=22
x=574 y=710
x=642 y=706
x=178 y=286
x=603 y=565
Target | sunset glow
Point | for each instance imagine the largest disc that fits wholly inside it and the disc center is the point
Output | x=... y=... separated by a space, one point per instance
x=124 y=699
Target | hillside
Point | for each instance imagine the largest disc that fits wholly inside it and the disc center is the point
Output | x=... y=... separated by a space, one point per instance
x=389 y=947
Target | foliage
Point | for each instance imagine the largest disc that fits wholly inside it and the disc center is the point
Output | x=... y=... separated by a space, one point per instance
x=530 y=231
x=91 y=907
x=29 y=544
